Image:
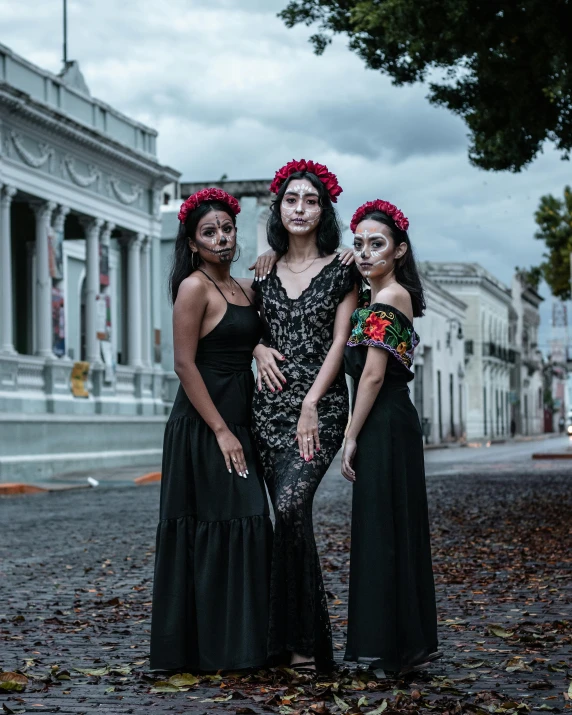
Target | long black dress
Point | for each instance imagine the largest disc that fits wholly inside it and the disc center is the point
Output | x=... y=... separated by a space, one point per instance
x=302 y=330
x=392 y=615
x=214 y=539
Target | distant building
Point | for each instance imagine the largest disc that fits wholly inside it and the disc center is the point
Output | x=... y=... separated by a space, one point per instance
x=439 y=389
x=489 y=356
x=527 y=389
x=80 y=224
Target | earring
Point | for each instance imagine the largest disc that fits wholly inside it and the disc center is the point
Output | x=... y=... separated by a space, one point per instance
x=237 y=258
x=193 y=266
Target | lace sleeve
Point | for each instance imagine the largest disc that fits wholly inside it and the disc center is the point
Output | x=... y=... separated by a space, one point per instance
x=259 y=305
x=383 y=326
x=347 y=279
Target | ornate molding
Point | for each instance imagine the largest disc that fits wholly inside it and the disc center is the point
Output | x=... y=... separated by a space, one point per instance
x=52 y=120
x=80 y=179
x=124 y=197
x=35 y=161
x=7 y=193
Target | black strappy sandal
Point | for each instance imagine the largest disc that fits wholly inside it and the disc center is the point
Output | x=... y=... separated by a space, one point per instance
x=420 y=666
x=304 y=669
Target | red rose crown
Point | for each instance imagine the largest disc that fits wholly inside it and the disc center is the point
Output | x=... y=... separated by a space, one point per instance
x=329 y=180
x=208 y=195
x=401 y=221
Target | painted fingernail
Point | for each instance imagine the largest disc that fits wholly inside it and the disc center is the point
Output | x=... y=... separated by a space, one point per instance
x=247 y=472
x=230 y=471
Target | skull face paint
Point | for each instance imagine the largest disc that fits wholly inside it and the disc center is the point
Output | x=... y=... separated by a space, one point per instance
x=300 y=209
x=372 y=248
x=215 y=238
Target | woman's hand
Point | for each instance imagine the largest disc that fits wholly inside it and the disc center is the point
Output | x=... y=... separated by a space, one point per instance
x=267 y=369
x=307 y=431
x=348 y=455
x=232 y=452
x=264 y=264
x=346 y=256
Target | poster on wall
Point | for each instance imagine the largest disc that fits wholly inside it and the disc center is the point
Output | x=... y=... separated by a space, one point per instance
x=79 y=375
x=55 y=254
x=103 y=265
x=58 y=323
x=103 y=317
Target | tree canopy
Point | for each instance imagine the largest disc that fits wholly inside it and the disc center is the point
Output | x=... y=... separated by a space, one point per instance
x=501 y=65
x=554 y=219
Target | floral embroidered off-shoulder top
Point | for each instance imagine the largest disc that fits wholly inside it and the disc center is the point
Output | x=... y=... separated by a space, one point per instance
x=382 y=326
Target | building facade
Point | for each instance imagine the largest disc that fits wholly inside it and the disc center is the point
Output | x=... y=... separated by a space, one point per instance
x=489 y=356
x=439 y=391
x=527 y=388
x=80 y=232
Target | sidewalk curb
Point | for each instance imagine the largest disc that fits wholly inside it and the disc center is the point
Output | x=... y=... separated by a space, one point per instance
x=8 y=489
x=150 y=478
x=552 y=455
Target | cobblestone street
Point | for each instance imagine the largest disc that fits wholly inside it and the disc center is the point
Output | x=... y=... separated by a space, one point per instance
x=76 y=577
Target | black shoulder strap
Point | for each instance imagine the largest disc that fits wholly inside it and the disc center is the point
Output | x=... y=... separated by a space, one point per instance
x=242 y=289
x=215 y=285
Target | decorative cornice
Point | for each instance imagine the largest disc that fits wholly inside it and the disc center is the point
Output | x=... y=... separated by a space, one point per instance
x=80 y=179
x=39 y=113
x=46 y=152
x=124 y=197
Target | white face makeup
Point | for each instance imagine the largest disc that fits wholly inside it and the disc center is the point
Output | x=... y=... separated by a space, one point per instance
x=371 y=248
x=300 y=208
x=216 y=238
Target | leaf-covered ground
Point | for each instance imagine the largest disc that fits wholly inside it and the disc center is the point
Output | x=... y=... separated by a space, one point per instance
x=75 y=590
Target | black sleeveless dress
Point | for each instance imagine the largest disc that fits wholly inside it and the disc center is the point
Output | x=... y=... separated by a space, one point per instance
x=214 y=539
x=391 y=614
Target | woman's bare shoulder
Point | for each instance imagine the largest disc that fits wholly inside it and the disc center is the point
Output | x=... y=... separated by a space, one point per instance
x=397 y=296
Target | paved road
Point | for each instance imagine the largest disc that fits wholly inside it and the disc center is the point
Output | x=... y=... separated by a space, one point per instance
x=507 y=455
x=75 y=585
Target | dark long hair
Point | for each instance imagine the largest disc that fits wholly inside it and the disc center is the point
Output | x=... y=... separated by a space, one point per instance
x=406 y=272
x=182 y=263
x=329 y=230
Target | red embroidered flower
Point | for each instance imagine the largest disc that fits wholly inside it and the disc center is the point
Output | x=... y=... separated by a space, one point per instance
x=375 y=327
x=208 y=195
x=329 y=180
x=401 y=221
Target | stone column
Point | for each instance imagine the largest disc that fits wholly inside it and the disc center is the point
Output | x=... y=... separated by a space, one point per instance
x=43 y=211
x=6 y=297
x=134 y=300
x=92 y=229
x=146 y=302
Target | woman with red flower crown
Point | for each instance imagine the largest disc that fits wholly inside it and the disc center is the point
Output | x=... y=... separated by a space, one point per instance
x=392 y=621
x=301 y=407
x=214 y=540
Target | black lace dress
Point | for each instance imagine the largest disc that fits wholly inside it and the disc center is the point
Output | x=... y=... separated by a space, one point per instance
x=302 y=330
x=391 y=615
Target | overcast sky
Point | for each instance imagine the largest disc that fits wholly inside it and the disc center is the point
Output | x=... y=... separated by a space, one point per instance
x=232 y=91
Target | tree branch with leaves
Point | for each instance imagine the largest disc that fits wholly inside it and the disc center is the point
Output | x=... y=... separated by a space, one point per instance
x=554 y=219
x=502 y=66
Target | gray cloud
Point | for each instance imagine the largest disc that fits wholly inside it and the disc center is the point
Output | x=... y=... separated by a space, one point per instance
x=232 y=90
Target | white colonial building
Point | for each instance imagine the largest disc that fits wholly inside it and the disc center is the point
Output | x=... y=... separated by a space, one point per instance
x=439 y=384
x=527 y=388
x=80 y=313
x=489 y=356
